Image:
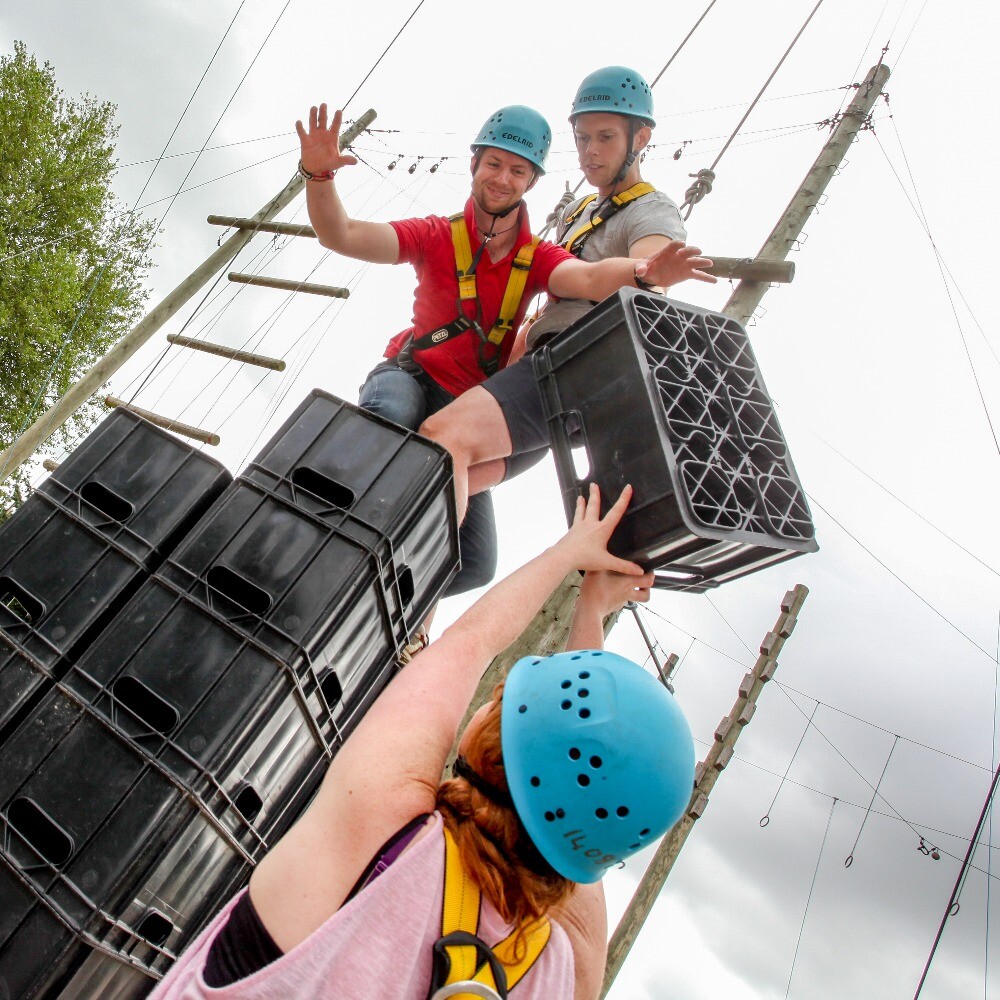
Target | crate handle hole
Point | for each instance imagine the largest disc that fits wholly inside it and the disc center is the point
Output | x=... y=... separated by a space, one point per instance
x=581 y=464
x=404 y=578
x=154 y=927
x=248 y=802
x=143 y=703
x=107 y=501
x=329 y=684
x=323 y=487
x=239 y=590
x=40 y=830
x=19 y=602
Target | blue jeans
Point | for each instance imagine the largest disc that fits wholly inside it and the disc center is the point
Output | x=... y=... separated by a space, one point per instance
x=408 y=400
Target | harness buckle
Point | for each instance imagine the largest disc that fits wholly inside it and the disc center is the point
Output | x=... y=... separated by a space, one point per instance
x=484 y=956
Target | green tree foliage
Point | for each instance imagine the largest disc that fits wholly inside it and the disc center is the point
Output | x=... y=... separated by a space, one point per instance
x=72 y=259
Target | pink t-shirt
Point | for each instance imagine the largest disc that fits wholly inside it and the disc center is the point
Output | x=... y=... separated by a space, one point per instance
x=375 y=947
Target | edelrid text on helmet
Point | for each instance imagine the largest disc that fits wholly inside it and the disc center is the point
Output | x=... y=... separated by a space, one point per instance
x=598 y=758
x=517 y=129
x=617 y=89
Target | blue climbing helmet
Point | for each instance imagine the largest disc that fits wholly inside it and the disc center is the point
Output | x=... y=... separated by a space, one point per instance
x=598 y=757
x=618 y=90
x=517 y=129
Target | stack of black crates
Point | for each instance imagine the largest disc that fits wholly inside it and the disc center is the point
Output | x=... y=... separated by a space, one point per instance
x=669 y=398
x=182 y=654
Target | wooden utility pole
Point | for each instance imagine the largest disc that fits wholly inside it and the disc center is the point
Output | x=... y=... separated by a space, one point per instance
x=747 y=295
x=78 y=394
x=706 y=774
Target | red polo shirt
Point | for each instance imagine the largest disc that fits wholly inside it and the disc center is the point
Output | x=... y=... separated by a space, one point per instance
x=426 y=244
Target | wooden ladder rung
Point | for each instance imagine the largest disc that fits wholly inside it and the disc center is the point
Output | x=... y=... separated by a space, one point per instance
x=206 y=437
x=279 y=228
x=221 y=351
x=750 y=269
x=290 y=286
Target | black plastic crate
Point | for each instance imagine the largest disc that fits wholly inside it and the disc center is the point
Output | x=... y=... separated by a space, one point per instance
x=94 y=529
x=331 y=456
x=138 y=484
x=109 y=864
x=306 y=584
x=668 y=397
x=22 y=679
x=209 y=700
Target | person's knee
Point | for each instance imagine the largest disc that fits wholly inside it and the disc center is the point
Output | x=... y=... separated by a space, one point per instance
x=473 y=429
x=396 y=396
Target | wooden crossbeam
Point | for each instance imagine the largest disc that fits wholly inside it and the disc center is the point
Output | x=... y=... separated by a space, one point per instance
x=290 y=286
x=278 y=228
x=779 y=272
x=232 y=353
x=206 y=437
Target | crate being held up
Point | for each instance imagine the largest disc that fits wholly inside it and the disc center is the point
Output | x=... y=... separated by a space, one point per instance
x=668 y=397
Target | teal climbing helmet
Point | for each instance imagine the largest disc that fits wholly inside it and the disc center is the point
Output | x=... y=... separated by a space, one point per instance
x=520 y=130
x=598 y=757
x=616 y=89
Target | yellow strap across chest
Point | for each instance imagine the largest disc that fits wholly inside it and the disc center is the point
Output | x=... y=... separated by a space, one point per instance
x=516 y=282
x=618 y=202
x=460 y=912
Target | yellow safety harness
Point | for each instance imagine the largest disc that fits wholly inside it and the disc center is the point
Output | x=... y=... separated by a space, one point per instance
x=462 y=957
x=574 y=243
x=465 y=270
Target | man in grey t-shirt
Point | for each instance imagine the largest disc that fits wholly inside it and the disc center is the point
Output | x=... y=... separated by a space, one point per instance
x=612 y=119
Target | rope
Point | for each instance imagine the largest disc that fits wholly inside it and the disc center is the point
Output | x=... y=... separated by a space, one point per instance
x=567 y=199
x=703 y=183
x=899 y=579
x=697 y=23
x=766 y=818
x=381 y=57
x=802 y=926
x=849 y=860
x=922 y=215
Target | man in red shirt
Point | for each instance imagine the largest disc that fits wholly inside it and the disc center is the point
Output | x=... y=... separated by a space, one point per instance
x=457 y=340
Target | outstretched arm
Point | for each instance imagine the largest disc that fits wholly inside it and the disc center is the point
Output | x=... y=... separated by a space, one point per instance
x=372 y=241
x=673 y=263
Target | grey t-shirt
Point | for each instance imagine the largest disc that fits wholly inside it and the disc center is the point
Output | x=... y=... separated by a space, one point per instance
x=653 y=214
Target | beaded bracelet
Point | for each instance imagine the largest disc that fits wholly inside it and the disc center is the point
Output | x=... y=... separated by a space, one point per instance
x=322 y=175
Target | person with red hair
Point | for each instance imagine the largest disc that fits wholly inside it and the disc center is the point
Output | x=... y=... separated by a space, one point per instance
x=395 y=885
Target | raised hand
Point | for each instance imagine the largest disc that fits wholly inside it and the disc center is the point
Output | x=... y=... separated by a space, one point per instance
x=674 y=263
x=605 y=592
x=321 y=144
x=585 y=545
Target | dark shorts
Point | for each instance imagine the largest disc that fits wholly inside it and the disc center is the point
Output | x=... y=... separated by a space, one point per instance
x=520 y=400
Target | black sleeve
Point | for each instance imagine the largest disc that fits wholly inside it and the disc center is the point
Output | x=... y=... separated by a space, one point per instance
x=241 y=948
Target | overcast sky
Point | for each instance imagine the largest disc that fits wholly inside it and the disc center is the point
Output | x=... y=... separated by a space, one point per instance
x=872 y=359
